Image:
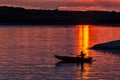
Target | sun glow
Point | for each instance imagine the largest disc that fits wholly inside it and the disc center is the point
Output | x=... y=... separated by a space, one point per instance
x=83 y=38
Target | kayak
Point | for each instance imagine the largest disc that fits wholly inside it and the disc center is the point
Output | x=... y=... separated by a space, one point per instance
x=73 y=59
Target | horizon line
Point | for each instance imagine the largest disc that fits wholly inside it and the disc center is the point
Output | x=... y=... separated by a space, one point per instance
x=57 y=9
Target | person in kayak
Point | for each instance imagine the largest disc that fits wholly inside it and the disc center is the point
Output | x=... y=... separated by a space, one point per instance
x=82 y=55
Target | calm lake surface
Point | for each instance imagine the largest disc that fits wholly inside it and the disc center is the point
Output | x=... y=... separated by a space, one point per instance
x=27 y=52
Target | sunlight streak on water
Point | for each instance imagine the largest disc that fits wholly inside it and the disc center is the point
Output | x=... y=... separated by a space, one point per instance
x=83 y=71
x=83 y=44
x=83 y=38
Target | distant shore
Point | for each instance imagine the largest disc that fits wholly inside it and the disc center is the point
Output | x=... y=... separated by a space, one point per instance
x=20 y=16
x=27 y=24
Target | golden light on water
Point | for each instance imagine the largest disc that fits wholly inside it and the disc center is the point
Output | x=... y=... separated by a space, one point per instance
x=87 y=69
x=83 y=39
x=83 y=45
x=83 y=72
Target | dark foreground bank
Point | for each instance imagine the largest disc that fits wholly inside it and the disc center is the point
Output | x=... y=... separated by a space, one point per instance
x=113 y=45
x=15 y=15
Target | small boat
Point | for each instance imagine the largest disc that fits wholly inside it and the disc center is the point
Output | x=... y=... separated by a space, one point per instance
x=73 y=59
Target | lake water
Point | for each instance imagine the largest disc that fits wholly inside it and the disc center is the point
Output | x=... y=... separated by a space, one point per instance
x=27 y=52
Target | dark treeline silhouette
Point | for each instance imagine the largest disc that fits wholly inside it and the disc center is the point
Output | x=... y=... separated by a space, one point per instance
x=16 y=15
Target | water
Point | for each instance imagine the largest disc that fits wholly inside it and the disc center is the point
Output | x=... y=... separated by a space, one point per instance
x=27 y=52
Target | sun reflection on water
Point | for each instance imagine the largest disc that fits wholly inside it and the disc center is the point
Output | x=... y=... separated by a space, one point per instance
x=83 y=39
x=83 y=71
x=83 y=44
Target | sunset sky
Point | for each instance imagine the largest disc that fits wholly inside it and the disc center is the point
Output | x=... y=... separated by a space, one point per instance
x=109 y=5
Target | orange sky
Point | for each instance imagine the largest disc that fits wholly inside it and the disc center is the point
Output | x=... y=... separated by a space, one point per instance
x=109 y=5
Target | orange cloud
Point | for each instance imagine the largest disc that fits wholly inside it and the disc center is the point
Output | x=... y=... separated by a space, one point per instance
x=67 y=4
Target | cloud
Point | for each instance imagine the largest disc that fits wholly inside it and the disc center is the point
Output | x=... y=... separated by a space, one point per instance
x=109 y=5
x=52 y=4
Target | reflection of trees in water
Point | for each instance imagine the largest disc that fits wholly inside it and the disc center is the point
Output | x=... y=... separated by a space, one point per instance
x=82 y=69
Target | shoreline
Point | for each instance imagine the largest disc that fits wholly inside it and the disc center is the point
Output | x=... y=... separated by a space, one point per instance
x=20 y=16
x=28 y=24
x=112 y=45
